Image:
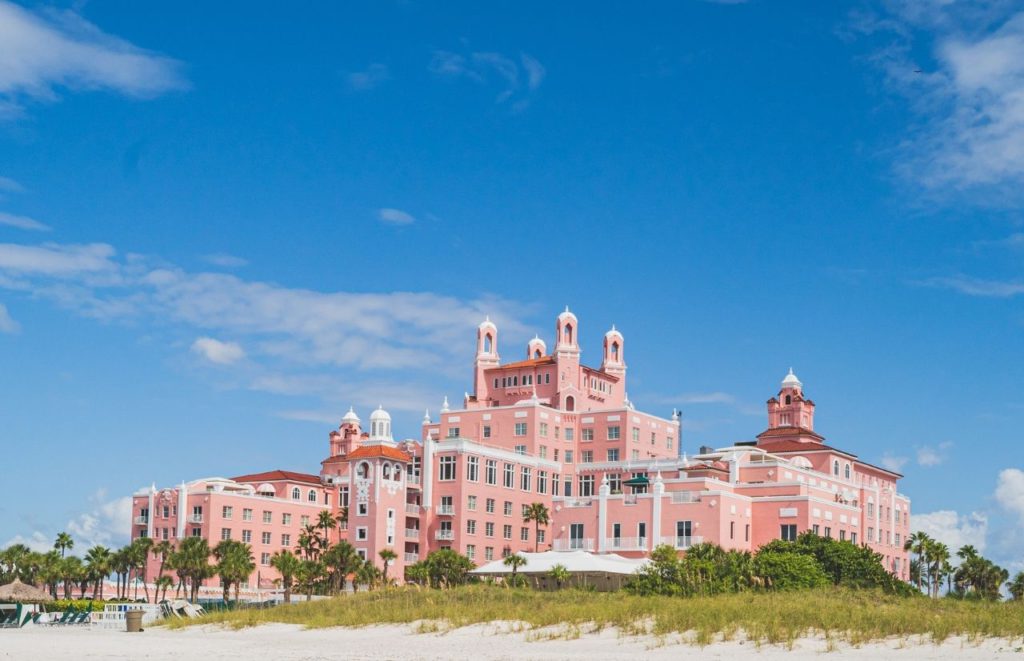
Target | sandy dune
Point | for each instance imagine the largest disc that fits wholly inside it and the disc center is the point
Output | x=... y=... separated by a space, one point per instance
x=287 y=642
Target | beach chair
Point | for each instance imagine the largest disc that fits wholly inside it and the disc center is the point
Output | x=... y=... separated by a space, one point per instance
x=65 y=617
x=84 y=617
x=36 y=616
x=9 y=617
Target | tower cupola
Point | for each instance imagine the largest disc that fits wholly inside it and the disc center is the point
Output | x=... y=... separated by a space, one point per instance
x=536 y=348
x=567 y=332
x=380 y=425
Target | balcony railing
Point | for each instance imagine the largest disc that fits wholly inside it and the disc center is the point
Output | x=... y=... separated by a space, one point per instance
x=584 y=544
x=578 y=502
x=445 y=535
x=412 y=479
x=141 y=520
x=446 y=510
x=195 y=518
x=412 y=533
x=682 y=542
x=685 y=497
x=629 y=499
x=412 y=557
x=627 y=543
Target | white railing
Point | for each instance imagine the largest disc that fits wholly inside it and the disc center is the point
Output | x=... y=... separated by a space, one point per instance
x=629 y=499
x=445 y=535
x=685 y=497
x=141 y=520
x=579 y=502
x=195 y=518
x=412 y=557
x=627 y=543
x=412 y=508
x=413 y=533
x=412 y=479
x=585 y=544
x=682 y=542
x=447 y=510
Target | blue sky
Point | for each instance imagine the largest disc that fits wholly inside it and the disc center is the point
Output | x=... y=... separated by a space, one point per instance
x=220 y=226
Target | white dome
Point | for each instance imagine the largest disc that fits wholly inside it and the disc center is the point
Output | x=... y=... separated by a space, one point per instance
x=791 y=381
x=380 y=415
x=614 y=332
x=487 y=323
x=567 y=315
x=350 y=417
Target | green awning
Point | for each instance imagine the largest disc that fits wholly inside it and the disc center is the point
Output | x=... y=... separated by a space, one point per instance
x=641 y=481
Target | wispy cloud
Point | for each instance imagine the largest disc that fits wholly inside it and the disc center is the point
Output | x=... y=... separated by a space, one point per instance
x=954 y=529
x=374 y=75
x=105 y=521
x=1010 y=492
x=225 y=260
x=893 y=462
x=965 y=81
x=216 y=351
x=977 y=286
x=928 y=455
x=48 y=50
x=519 y=78
x=395 y=217
x=23 y=223
x=8 y=185
x=7 y=324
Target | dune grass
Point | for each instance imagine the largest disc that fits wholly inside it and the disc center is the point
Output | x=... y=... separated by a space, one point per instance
x=774 y=618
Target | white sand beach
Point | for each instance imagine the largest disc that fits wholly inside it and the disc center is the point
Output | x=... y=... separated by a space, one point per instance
x=494 y=641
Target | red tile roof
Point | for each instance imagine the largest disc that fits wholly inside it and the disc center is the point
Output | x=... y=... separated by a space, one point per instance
x=790 y=431
x=792 y=447
x=371 y=451
x=279 y=476
x=532 y=362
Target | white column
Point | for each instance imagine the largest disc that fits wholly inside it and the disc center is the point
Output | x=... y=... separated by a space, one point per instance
x=427 y=472
x=152 y=513
x=659 y=493
x=182 y=504
x=602 y=514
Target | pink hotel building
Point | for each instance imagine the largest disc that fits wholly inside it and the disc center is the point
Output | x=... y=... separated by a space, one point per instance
x=548 y=429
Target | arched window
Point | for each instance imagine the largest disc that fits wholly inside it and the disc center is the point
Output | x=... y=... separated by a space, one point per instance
x=387 y=471
x=570 y=403
x=296 y=494
x=847 y=471
x=615 y=350
x=789 y=400
x=487 y=343
x=835 y=467
x=567 y=333
x=536 y=353
x=364 y=470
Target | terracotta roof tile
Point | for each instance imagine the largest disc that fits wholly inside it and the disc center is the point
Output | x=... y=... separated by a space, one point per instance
x=532 y=362
x=371 y=451
x=279 y=476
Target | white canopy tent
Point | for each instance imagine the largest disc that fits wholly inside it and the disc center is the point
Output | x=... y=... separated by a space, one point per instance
x=607 y=571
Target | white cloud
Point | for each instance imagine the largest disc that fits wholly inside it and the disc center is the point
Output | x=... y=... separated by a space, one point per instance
x=43 y=51
x=395 y=217
x=7 y=324
x=929 y=456
x=56 y=259
x=225 y=260
x=107 y=523
x=892 y=462
x=965 y=81
x=37 y=541
x=8 y=185
x=954 y=530
x=978 y=287
x=482 y=67
x=374 y=75
x=215 y=351
x=22 y=222
x=1010 y=491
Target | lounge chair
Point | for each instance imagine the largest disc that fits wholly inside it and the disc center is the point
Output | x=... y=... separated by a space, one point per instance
x=65 y=617
x=10 y=617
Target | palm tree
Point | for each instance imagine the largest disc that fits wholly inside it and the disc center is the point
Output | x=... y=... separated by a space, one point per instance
x=140 y=556
x=162 y=583
x=326 y=522
x=938 y=555
x=539 y=515
x=163 y=550
x=560 y=574
x=342 y=560
x=287 y=565
x=63 y=543
x=309 y=542
x=234 y=564
x=192 y=560
x=97 y=559
x=515 y=561
x=1016 y=586
x=367 y=573
x=918 y=544
x=388 y=556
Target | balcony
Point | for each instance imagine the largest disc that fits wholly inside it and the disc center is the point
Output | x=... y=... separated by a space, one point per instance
x=412 y=533
x=413 y=479
x=578 y=502
x=585 y=544
x=627 y=543
x=446 y=510
x=682 y=542
x=629 y=499
x=141 y=520
x=412 y=508
x=412 y=557
x=444 y=535
x=685 y=497
x=195 y=518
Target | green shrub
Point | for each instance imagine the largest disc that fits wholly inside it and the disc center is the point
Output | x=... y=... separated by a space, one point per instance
x=789 y=571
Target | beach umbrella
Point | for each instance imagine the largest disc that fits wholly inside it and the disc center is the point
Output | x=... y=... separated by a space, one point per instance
x=27 y=594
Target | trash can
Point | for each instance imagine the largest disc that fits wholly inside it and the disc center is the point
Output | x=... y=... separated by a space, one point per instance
x=133 y=620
